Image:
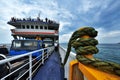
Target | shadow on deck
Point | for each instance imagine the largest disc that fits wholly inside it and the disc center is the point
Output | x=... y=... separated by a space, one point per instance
x=51 y=70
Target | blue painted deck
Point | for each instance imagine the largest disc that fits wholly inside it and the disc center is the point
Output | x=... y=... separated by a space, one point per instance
x=51 y=70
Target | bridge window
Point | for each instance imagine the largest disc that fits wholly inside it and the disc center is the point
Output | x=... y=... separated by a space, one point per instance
x=28 y=27
x=23 y=26
x=32 y=27
x=51 y=28
x=45 y=27
x=36 y=27
x=41 y=27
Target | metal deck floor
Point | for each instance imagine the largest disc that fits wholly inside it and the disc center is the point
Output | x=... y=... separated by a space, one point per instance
x=51 y=70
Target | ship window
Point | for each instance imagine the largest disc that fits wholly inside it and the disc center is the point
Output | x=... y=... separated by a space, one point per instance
x=41 y=27
x=23 y=26
x=30 y=43
x=51 y=28
x=32 y=27
x=18 y=27
x=45 y=27
x=27 y=26
x=36 y=27
x=16 y=44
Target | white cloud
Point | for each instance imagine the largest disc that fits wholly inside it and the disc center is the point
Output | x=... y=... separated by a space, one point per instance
x=65 y=37
x=113 y=34
x=63 y=24
x=5 y=36
x=108 y=36
x=85 y=6
x=53 y=10
x=103 y=36
x=88 y=5
x=19 y=9
x=48 y=9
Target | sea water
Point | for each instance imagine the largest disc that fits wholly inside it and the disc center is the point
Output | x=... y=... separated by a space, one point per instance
x=107 y=52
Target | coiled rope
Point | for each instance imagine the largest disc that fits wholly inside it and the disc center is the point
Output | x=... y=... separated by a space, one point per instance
x=87 y=46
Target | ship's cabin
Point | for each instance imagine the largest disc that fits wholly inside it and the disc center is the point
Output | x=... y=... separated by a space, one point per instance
x=28 y=28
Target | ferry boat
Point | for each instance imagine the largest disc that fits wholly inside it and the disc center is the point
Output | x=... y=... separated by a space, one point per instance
x=43 y=35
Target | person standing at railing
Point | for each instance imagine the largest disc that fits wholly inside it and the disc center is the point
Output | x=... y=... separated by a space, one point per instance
x=3 y=50
x=56 y=46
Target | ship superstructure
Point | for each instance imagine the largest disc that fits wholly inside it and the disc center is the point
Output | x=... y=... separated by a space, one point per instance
x=34 y=41
x=34 y=28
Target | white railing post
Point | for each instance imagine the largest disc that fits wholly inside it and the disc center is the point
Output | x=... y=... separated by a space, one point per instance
x=30 y=67
x=43 y=56
x=2 y=79
x=50 y=50
x=47 y=52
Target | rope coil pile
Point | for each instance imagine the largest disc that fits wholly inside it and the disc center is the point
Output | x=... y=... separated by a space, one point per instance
x=86 y=46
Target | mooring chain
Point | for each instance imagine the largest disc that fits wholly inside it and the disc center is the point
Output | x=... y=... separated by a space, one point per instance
x=86 y=46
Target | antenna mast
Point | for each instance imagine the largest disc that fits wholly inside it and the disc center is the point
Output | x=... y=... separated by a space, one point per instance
x=39 y=14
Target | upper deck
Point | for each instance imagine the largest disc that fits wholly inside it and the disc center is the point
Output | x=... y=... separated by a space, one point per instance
x=30 y=28
x=18 y=22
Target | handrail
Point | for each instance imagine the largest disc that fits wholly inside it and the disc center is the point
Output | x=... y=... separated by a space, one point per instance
x=18 y=56
x=72 y=54
x=29 y=54
x=79 y=71
x=62 y=52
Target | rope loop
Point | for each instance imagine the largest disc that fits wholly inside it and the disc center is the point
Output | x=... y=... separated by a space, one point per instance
x=87 y=46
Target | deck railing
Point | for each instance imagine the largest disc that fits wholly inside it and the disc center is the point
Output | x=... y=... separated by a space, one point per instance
x=40 y=59
x=72 y=55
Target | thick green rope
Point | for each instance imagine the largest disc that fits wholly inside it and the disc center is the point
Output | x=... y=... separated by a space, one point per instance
x=88 y=46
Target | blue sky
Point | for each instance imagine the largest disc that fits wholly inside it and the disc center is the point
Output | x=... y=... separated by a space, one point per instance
x=103 y=15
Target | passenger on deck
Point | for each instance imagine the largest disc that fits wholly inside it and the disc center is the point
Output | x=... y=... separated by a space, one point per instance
x=3 y=50
x=56 y=46
x=43 y=45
